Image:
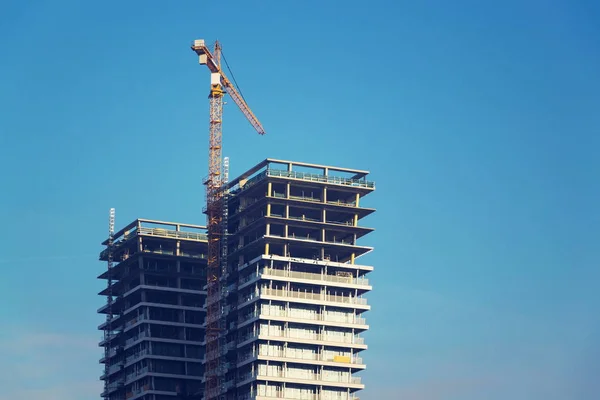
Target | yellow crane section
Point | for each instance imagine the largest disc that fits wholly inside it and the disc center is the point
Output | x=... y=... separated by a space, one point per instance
x=216 y=226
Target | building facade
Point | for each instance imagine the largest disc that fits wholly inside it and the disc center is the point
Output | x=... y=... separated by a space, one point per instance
x=153 y=336
x=293 y=299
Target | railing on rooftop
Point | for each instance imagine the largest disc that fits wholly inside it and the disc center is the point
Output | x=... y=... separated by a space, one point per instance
x=280 y=173
x=168 y=233
x=157 y=232
x=321 y=178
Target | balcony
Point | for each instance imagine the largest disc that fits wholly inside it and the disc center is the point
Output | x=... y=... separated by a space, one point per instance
x=306 y=336
x=135 y=320
x=137 y=337
x=107 y=338
x=111 y=353
x=287 y=353
x=229 y=384
x=135 y=374
x=290 y=294
x=287 y=313
x=137 y=391
x=116 y=367
x=307 y=377
x=279 y=394
x=136 y=356
x=111 y=387
x=348 y=279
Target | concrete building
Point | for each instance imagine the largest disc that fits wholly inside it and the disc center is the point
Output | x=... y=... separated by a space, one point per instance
x=293 y=301
x=153 y=342
x=292 y=298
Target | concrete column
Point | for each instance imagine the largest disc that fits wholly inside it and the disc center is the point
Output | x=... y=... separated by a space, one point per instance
x=324 y=216
x=266 y=249
x=287 y=190
x=357 y=199
x=324 y=195
x=355 y=220
x=269 y=189
x=268 y=230
x=268 y=209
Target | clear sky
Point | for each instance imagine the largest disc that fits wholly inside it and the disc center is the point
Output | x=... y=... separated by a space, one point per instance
x=479 y=121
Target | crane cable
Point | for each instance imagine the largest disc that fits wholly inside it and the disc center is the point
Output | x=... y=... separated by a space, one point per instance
x=232 y=75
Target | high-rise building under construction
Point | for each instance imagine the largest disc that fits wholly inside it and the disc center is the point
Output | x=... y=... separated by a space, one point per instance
x=292 y=287
x=155 y=310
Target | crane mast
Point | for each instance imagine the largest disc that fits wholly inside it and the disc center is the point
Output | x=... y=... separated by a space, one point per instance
x=216 y=207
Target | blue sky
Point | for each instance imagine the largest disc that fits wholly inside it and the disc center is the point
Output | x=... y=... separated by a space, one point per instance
x=478 y=121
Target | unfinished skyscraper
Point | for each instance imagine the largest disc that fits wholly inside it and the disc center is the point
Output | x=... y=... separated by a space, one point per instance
x=290 y=295
x=293 y=290
x=155 y=311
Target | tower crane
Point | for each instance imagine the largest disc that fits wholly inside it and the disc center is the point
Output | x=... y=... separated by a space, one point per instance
x=215 y=207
